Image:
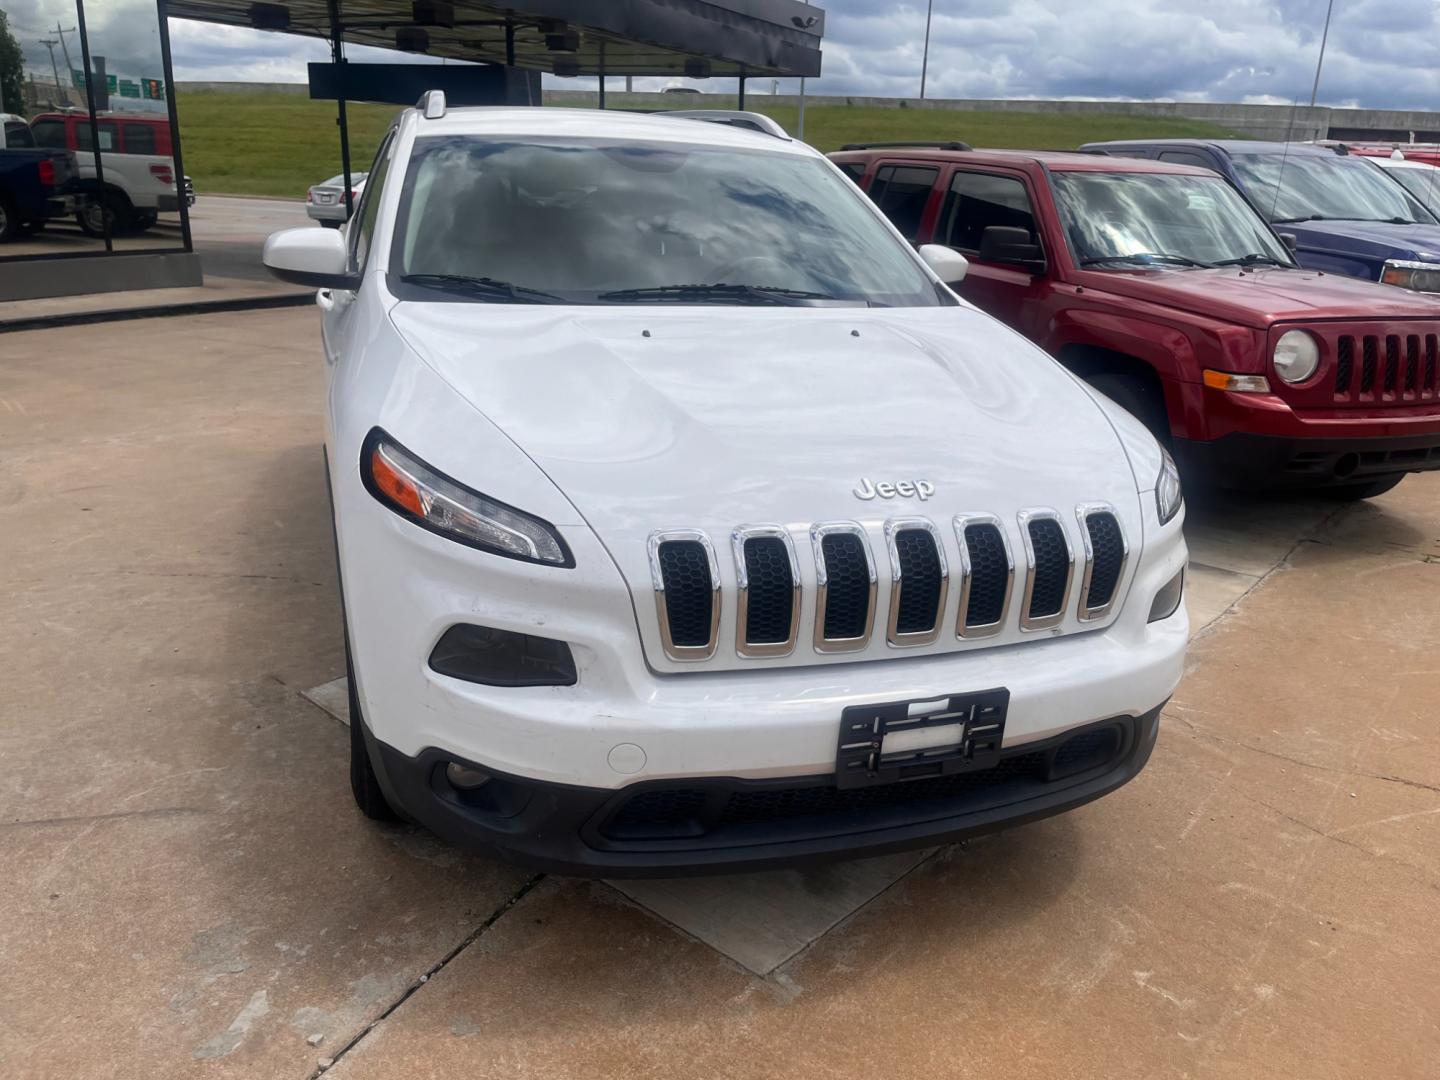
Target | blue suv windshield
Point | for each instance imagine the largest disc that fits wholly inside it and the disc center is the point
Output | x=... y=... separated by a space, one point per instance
x=1324 y=187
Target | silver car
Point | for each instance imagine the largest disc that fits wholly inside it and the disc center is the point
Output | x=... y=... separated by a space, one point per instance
x=325 y=202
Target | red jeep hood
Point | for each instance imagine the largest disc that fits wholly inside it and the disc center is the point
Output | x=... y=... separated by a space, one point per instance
x=1258 y=298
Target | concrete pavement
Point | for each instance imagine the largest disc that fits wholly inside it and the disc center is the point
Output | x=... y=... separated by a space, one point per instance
x=191 y=893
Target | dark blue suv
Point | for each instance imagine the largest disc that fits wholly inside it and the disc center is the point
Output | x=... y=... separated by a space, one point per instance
x=1346 y=215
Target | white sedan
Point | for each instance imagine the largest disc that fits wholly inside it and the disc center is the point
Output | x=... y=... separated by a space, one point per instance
x=325 y=202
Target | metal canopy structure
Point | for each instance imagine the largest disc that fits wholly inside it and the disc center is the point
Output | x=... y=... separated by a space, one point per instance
x=683 y=38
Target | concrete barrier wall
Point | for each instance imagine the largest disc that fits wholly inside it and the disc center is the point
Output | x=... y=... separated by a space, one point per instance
x=1250 y=121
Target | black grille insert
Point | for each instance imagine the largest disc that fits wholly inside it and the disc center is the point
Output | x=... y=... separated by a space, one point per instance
x=1344 y=364
x=921 y=579
x=847 y=590
x=1392 y=362
x=770 y=603
x=989 y=575
x=1052 y=568
x=689 y=592
x=1108 y=549
x=1369 y=352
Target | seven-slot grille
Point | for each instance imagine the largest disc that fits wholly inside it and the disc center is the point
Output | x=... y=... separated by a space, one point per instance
x=1380 y=368
x=770 y=594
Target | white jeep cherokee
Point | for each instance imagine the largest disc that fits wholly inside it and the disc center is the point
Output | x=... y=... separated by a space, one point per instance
x=687 y=521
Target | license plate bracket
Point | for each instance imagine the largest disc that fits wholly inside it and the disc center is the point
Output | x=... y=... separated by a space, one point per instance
x=861 y=759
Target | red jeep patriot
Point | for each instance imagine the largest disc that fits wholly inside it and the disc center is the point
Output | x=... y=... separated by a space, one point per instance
x=1160 y=286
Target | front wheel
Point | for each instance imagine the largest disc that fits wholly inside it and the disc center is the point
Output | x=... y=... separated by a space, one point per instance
x=1366 y=490
x=1140 y=398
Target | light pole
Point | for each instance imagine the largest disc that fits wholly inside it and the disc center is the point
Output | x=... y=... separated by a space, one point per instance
x=1324 y=36
x=925 y=56
x=50 y=44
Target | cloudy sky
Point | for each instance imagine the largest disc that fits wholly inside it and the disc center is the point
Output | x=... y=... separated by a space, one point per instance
x=1381 y=53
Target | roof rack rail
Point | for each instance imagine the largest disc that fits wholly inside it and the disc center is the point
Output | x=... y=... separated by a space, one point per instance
x=432 y=104
x=953 y=144
x=752 y=121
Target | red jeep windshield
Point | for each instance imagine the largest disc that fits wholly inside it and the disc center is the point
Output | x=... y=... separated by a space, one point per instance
x=1118 y=220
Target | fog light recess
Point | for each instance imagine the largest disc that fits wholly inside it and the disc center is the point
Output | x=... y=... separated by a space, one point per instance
x=482 y=654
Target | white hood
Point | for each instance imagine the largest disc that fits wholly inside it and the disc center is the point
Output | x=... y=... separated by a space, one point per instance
x=710 y=418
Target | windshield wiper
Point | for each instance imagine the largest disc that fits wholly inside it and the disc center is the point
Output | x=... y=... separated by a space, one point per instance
x=1255 y=258
x=482 y=287
x=1293 y=220
x=1178 y=260
x=754 y=294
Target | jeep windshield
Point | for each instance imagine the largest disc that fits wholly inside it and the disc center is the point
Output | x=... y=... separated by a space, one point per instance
x=597 y=221
x=1124 y=221
x=1325 y=187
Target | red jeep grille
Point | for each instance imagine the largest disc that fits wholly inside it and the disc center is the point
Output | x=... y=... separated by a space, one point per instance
x=1393 y=368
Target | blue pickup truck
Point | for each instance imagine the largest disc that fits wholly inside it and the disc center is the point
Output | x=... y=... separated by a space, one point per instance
x=36 y=184
x=1346 y=216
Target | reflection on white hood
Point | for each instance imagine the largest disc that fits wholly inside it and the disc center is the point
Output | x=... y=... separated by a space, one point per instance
x=710 y=417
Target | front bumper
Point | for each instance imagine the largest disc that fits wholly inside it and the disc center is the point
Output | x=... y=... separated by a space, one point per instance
x=1256 y=462
x=730 y=824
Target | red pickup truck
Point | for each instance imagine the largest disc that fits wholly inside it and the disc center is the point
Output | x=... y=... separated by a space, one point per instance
x=1160 y=286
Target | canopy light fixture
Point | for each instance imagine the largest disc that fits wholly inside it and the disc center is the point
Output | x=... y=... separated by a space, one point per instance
x=697 y=68
x=568 y=41
x=433 y=13
x=412 y=39
x=567 y=67
x=270 y=16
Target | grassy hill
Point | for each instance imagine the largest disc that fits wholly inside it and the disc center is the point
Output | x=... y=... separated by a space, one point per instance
x=279 y=144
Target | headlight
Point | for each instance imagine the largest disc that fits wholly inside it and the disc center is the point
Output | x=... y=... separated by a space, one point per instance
x=1168 y=497
x=1296 y=356
x=1419 y=276
x=433 y=501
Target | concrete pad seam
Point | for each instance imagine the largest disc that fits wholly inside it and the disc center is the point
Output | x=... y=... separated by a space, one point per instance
x=426 y=976
x=1204 y=734
x=777 y=975
x=1283 y=564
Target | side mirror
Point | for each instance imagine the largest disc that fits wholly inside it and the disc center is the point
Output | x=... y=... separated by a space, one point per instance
x=1011 y=246
x=1289 y=240
x=949 y=265
x=313 y=257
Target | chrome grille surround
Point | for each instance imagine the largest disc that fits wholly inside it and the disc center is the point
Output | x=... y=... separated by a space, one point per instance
x=1084 y=512
x=1043 y=622
x=818 y=533
x=738 y=540
x=893 y=528
x=657 y=576
x=967 y=579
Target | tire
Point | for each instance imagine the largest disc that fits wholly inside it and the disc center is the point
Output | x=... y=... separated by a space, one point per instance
x=143 y=219
x=1367 y=490
x=116 y=207
x=364 y=781
x=9 y=223
x=1141 y=399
